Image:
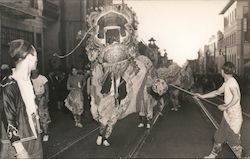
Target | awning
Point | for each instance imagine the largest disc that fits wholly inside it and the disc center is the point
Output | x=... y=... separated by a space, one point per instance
x=10 y=11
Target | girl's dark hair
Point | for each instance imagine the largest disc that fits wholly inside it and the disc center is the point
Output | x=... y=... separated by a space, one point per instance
x=73 y=67
x=19 y=49
x=228 y=68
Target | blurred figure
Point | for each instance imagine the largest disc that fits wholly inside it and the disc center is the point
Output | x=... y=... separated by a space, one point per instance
x=74 y=101
x=5 y=71
x=86 y=94
x=61 y=89
x=41 y=88
x=148 y=102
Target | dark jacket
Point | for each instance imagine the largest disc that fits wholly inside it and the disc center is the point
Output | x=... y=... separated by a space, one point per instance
x=14 y=119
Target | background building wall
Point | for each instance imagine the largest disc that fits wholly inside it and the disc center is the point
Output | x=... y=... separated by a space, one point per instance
x=73 y=20
x=29 y=27
x=52 y=35
x=235 y=44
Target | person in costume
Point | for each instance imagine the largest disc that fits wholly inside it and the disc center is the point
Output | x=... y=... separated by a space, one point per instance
x=229 y=129
x=19 y=117
x=41 y=88
x=74 y=101
x=148 y=101
x=114 y=91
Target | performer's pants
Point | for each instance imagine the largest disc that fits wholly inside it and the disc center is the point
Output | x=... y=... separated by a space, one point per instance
x=77 y=118
x=33 y=147
x=174 y=95
x=226 y=134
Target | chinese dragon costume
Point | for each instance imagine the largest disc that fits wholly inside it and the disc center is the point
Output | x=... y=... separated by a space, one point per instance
x=121 y=76
x=118 y=71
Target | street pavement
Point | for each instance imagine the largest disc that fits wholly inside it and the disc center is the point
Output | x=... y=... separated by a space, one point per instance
x=186 y=133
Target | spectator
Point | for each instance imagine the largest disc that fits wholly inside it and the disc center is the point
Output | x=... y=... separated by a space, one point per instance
x=21 y=127
x=5 y=71
x=74 y=101
x=41 y=89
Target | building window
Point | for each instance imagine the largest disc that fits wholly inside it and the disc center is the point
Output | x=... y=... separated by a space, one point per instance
x=245 y=11
x=234 y=38
x=231 y=19
x=234 y=59
x=9 y=34
x=225 y=22
x=34 y=4
x=231 y=40
x=235 y=13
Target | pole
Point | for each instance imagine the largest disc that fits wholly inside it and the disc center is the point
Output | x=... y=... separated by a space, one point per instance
x=192 y=94
x=115 y=90
x=0 y=40
x=208 y=101
x=81 y=15
x=225 y=56
x=241 y=64
x=212 y=120
x=215 y=63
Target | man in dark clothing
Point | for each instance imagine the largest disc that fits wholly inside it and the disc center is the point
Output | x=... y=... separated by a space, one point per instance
x=19 y=118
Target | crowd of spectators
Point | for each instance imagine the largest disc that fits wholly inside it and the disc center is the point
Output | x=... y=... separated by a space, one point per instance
x=207 y=83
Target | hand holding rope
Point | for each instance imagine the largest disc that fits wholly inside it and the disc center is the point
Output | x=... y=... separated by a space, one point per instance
x=208 y=101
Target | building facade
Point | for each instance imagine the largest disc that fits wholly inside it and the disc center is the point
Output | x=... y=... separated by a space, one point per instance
x=221 y=53
x=237 y=33
x=73 y=19
x=21 y=19
x=212 y=54
x=50 y=25
x=26 y=19
x=201 y=63
x=52 y=34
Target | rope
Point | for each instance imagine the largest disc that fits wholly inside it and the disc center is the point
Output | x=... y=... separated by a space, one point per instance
x=208 y=101
x=74 y=49
x=192 y=94
x=216 y=125
x=210 y=117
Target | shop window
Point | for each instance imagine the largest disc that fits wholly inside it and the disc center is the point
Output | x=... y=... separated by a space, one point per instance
x=245 y=11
